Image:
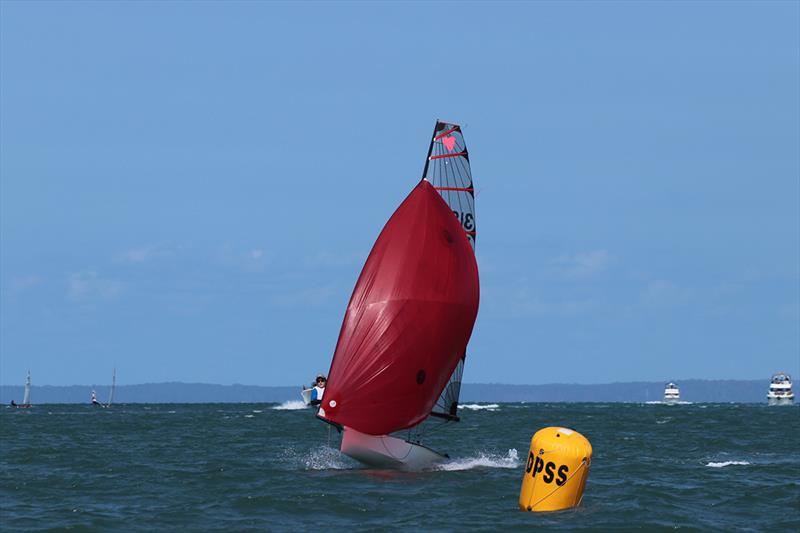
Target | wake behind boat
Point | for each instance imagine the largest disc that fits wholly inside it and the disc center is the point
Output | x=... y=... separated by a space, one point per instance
x=402 y=346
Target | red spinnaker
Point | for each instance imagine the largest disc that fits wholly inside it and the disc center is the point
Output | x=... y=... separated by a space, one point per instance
x=408 y=321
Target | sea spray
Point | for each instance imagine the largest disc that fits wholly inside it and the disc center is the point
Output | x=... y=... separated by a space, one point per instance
x=482 y=460
x=291 y=405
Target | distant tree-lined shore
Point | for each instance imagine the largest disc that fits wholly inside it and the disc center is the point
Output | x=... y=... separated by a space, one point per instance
x=693 y=390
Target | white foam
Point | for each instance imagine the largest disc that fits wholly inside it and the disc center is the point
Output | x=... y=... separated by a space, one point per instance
x=510 y=460
x=727 y=463
x=249 y=416
x=291 y=405
x=327 y=458
x=479 y=407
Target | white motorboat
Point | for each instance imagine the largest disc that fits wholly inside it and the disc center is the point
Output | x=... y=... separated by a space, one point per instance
x=780 y=389
x=672 y=393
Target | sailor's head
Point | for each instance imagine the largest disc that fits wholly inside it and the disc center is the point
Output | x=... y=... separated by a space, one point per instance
x=321 y=380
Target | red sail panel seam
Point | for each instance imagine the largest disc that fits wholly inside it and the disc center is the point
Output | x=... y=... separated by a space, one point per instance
x=448 y=132
x=447 y=155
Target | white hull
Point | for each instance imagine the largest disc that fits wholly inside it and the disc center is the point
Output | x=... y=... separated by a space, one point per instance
x=306 y=394
x=780 y=401
x=384 y=451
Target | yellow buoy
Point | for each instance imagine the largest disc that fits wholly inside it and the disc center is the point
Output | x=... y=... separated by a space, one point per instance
x=556 y=470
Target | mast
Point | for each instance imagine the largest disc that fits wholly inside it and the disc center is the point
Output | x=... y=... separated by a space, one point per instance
x=447 y=168
x=26 y=399
x=113 y=386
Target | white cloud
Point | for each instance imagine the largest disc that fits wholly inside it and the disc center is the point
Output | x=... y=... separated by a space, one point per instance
x=664 y=293
x=584 y=264
x=339 y=259
x=309 y=297
x=147 y=253
x=519 y=302
x=252 y=260
x=88 y=286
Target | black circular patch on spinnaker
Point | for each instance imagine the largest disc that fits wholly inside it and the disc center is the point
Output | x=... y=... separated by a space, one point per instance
x=421 y=377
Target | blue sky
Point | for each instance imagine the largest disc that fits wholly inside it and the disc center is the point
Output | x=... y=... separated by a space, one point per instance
x=188 y=190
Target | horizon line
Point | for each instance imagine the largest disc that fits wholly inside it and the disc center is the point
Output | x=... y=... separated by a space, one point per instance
x=495 y=383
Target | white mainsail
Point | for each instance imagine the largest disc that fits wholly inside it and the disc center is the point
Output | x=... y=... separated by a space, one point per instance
x=26 y=399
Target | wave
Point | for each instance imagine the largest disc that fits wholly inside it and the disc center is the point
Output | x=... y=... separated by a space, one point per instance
x=662 y=402
x=479 y=407
x=291 y=405
x=510 y=460
x=727 y=463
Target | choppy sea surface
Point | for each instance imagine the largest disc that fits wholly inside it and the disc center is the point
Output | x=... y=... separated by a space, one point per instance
x=270 y=467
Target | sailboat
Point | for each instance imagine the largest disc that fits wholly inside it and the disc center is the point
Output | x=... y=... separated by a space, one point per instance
x=26 y=398
x=402 y=346
x=96 y=402
x=113 y=386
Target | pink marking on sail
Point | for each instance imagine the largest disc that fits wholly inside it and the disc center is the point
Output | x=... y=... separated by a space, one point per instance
x=449 y=142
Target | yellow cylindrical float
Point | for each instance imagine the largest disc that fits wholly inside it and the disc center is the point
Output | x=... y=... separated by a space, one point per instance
x=556 y=470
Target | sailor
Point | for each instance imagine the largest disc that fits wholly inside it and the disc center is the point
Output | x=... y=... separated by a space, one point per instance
x=94 y=398
x=318 y=390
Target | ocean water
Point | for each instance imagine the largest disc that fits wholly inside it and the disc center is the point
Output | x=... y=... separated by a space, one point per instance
x=269 y=467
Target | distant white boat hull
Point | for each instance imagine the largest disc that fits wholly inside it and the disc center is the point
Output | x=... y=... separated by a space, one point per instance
x=781 y=401
x=384 y=451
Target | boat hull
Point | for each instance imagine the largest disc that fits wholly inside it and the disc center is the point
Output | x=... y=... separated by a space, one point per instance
x=781 y=401
x=385 y=451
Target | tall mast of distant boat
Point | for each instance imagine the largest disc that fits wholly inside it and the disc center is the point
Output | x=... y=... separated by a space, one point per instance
x=113 y=386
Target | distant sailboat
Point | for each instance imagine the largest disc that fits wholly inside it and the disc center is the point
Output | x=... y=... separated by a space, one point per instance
x=402 y=346
x=96 y=402
x=113 y=386
x=26 y=398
